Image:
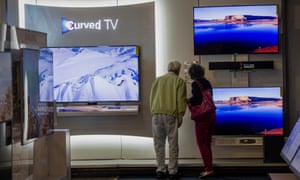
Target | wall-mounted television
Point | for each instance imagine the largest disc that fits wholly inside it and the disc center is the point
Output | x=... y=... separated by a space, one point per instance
x=248 y=111
x=89 y=74
x=240 y=29
x=292 y=144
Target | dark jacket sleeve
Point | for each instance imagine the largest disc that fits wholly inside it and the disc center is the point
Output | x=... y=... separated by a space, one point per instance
x=196 y=92
x=196 y=95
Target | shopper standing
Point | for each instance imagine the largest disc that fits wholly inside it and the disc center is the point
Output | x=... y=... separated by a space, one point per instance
x=167 y=106
x=204 y=127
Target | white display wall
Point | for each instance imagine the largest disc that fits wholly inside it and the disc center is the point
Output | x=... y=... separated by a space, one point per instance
x=169 y=38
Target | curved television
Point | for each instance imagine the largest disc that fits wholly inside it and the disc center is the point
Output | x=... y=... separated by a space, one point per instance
x=243 y=29
x=248 y=111
x=89 y=74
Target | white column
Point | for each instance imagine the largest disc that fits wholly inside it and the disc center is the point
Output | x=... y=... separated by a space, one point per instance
x=174 y=32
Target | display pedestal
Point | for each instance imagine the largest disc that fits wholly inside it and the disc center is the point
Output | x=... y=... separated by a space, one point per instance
x=52 y=156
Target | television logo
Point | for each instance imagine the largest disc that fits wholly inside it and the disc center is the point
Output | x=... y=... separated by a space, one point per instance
x=102 y=24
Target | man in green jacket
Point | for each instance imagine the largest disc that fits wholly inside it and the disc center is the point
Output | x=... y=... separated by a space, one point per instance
x=167 y=106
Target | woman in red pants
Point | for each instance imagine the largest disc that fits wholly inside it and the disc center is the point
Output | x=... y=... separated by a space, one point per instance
x=204 y=127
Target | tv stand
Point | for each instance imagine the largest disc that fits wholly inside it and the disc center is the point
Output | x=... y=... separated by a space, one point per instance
x=238 y=141
x=249 y=147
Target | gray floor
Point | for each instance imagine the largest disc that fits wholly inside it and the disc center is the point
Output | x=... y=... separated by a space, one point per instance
x=185 y=176
x=182 y=178
x=189 y=172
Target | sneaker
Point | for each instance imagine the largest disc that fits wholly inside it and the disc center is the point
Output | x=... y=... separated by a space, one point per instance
x=161 y=175
x=174 y=176
x=206 y=174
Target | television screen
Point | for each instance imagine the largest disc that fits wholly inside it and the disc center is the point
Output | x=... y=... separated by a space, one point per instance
x=46 y=75
x=248 y=111
x=90 y=74
x=246 y=29
x=292 y=144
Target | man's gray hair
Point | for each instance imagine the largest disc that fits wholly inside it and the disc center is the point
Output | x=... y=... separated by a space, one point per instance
x=174 y=66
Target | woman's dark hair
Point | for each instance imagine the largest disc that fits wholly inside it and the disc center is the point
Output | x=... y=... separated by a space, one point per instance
x=196 y=71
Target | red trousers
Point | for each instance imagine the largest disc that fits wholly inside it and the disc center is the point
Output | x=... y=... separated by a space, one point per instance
x=204 y=129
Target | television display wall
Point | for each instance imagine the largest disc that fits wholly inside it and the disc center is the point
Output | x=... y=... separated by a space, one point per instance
x=245 y=29
x=248 y=111
x=89 y=74
x=135 y=27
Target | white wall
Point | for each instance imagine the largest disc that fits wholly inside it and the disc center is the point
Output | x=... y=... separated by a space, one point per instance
x=174 y=40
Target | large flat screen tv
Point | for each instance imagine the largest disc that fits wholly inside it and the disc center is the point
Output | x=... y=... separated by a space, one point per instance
x=292 y=144
x=244 y=29
x=248 y=111
x=89 y=74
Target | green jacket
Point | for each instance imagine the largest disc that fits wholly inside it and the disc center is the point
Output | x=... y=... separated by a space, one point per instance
x=168 y=95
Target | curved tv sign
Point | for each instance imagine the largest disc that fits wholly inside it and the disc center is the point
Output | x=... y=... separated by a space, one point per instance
x=106 y=24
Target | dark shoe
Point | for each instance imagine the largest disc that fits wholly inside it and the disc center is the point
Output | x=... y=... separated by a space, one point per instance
x=161 y=175
x=174 y=176
x=206 y=174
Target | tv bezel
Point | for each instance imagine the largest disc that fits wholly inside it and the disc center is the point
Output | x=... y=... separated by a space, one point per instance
x=247 y=134
x=111 y=102
x=235 y=53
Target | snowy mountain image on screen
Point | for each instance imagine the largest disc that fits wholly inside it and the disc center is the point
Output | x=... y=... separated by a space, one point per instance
x=90 y=74
x=46 y=75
